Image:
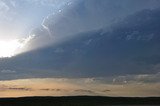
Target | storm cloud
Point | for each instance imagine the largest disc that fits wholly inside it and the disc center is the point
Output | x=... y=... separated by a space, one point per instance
x=93 y=39
x=87 y=15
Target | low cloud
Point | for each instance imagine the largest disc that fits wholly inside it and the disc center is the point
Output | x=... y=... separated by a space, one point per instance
x=19 y=89
x=70 y=87
x=84 y=91
x=142 y=78
x=8 y=71
x=49 y=89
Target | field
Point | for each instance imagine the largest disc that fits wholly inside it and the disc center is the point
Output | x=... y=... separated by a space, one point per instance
x=79 y=101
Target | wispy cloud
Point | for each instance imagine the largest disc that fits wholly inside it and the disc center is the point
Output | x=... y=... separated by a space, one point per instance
x=143 y=78
x=8 y=71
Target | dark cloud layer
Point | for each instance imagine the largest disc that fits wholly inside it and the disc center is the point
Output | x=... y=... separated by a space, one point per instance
x=129 y=46
x=86 y=15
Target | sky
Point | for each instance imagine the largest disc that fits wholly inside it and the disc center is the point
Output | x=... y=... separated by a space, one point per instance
x=68 y=47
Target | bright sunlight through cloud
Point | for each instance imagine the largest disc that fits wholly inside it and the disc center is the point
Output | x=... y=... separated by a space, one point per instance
x=11 y=47
x=8 y=48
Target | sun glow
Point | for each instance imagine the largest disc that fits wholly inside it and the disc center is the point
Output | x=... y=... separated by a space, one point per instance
x=8 y=48
x=12 y=47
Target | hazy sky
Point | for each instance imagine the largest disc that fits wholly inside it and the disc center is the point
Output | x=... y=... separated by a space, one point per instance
x=80 y=44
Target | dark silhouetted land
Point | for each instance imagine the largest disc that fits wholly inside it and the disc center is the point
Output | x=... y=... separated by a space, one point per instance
x=79 y=101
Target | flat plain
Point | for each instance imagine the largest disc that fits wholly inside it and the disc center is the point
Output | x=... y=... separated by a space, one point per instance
x=80 y=101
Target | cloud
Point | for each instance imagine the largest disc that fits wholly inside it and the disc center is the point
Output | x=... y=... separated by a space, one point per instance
x=12 y=47
x=49 y=2
x=8 y=71
x=22 y=16
x=56 y=90
x=119 y=56
x=144 y=78
x=3 y=8
x=84 y=91
x=19 y=89
x=90 y=15
x=98 y=53
x=82 y=16
x=76 y=86
x=106 y=90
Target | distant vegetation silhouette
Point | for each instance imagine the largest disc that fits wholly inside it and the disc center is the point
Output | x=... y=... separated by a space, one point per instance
x=78 y=101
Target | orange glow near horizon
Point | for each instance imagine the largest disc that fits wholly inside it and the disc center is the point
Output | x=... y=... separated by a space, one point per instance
x=71 y=87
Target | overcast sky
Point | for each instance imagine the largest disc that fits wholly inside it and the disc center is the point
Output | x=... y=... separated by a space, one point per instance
x=112 y=43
